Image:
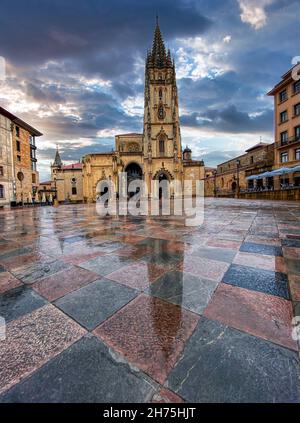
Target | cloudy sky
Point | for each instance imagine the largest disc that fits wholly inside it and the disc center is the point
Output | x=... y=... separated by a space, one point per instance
x=75 y=69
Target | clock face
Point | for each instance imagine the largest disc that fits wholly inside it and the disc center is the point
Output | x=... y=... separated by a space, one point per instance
x=161 y=112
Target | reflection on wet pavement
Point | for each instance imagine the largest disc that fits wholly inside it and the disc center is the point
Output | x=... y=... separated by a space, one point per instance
x=164 y=312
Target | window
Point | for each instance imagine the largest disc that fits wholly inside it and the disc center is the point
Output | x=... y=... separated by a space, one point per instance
x=33 y=178
x=284 y=157
x=1 y=191
x=160 y=94
x=297 y=154
x=283 y=116
x=284 y=137
x=297 y=87
x=74 y=191
x=17 y=131
x=251 y=159
x=18 y=146
x=162 y=146
x=283 y=96
x=19 y=158
x=32 y=153
x=297 y=132
x=1 y=171
x=297 y=109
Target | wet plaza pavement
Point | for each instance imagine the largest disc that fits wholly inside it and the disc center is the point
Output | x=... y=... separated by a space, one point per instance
x=141 y=309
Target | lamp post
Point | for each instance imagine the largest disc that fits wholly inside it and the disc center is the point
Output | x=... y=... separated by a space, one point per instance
x=215 y=183
x=238 y=163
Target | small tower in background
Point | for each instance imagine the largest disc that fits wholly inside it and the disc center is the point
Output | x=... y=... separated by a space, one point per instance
x=187 y=154
x=57 y=164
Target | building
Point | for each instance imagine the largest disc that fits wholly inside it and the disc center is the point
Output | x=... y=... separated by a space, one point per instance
x=18 y=169
x=6 y=162
x=155 y=154
x=230 y=179
x=210 y=180
x=287 y=127
x=66 y=181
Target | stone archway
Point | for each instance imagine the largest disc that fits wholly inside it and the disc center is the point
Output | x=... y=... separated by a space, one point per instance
x=134 y=172
x=160 y=176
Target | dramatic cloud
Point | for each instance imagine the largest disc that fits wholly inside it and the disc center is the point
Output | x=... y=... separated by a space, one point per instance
x=254 y=13
x=75 y=69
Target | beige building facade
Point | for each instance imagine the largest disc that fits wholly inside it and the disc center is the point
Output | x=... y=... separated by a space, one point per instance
x=19 y=177
x=66 y=183
x=287 y=127
x=156 y=154
x=230 y=178
x=6 y=163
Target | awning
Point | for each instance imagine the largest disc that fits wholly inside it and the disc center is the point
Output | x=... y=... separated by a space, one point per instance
x=277 y=172
x=260 y=176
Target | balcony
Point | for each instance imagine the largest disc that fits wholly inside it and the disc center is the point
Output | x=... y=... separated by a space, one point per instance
x=288 y=142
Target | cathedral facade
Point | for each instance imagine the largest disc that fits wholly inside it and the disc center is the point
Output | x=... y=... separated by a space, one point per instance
x=157 y=153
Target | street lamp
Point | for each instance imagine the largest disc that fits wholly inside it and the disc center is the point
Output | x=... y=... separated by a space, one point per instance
x=238 y=163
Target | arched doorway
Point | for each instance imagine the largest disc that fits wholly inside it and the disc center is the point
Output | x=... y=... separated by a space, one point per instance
x=233 y=186
x=164 y=178
x=134 y=172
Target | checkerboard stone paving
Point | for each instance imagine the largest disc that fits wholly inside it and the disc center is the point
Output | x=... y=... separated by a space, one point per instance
x=136 y=309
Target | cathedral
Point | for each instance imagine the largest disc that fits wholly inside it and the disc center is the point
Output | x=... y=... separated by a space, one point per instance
x=157 y=153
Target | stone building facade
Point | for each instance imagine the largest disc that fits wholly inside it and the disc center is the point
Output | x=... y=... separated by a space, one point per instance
x=155 y=154
x=66 y=181
x=22 y=178
x=230 y=177
x=287 y=125
x=6 y=162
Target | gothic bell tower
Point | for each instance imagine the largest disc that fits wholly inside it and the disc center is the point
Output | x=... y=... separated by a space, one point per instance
x=162 y=139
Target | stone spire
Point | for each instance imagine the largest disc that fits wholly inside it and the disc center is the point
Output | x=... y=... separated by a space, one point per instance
x=158 y=54
x=57 y=160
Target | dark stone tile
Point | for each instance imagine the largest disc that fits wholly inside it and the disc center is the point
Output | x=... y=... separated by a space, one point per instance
x=19 y=301
x=15 y=253
x=266 y=281
x=269 y=250
x=94 y=303
x=167 y=259
x=87 y=372
x=184 y=289
x=223 y=365
x=293 y=266
x=219 y=254
x=73 y=239
x=105 y=265
x=37 y=271
x=109 y=246
x=290 y=242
